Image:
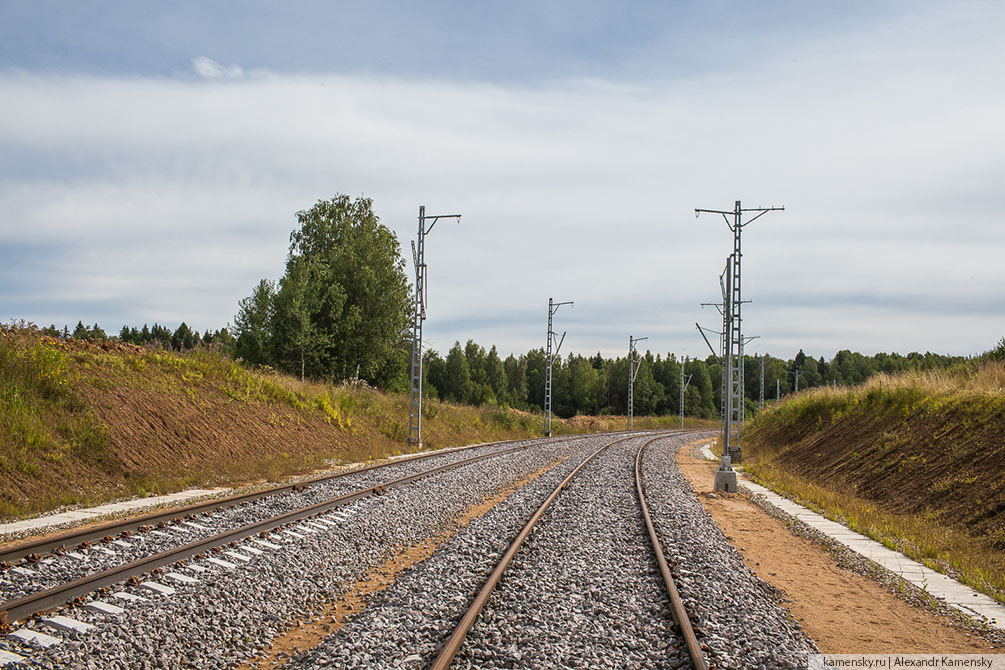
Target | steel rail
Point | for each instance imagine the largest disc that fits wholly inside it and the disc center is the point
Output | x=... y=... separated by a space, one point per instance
x=677 y=610
x=12 y=554
x=23 y=608
x=456 y=639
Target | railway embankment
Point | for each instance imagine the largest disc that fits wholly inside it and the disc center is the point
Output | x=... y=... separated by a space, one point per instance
x=916 y=461
x=83 y=423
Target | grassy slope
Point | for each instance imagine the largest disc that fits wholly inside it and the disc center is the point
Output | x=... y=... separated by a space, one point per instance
x=916 y=461
x=83 y=423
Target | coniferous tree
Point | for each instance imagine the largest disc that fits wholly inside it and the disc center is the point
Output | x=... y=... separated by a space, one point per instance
x=458 y=377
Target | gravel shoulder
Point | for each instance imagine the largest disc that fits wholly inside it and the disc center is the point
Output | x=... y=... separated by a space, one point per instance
x=736 y=616
x=843 y=611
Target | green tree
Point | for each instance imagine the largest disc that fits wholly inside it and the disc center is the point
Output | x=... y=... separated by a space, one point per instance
x=586 y=386
x=183 y=338
x=516 y=381
x=295 y=334
x=996 y=354
x=356 y=291
x=253 y=324
x=434 y=373
x=458 y=378
x=495 y=373
x=479 y=391
x=536 y=368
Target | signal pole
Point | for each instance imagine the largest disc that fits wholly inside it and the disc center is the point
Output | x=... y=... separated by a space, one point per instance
x=723 y=308
x=419 y=259
x=743 y=389
x=733 y=334
x=683 y=387
x=796 y=373
x=633 y=371
x=549 y=360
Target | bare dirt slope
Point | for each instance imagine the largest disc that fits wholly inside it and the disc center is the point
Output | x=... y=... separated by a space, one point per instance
x=83 y=423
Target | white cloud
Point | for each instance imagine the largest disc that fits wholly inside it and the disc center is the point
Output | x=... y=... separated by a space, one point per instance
x=207 y=68
x=582 y=190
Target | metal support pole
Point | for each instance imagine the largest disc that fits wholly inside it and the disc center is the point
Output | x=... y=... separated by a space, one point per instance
x=633 y=371
x=549 y=360
x=683 y=387
x=735 y=346
x=796 y=373
x=419 y=260
x=734 y=334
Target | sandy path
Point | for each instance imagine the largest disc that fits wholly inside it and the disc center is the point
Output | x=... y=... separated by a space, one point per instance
x=842 y=611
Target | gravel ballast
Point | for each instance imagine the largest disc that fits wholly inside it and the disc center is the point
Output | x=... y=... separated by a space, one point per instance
x=55 y=570
x=736 y=614
x=232 y=612
x=404 y=625
x=583 y=591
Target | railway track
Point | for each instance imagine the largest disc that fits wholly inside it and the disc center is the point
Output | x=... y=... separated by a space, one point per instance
x=40 y=602
x=582 y=590
x=34 y=550
x=215 y=549
x=452 y=647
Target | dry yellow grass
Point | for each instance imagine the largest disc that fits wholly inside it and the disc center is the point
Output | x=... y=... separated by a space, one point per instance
x=914 y=460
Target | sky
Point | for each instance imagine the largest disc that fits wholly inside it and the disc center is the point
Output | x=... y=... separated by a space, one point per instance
x=153 y=157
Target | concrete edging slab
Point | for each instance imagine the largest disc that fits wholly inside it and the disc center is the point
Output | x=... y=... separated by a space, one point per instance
x=946 y=589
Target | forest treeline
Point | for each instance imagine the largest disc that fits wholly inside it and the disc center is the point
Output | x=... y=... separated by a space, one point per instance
x=586 y=385
x=343 y=308
x=182 y=338
x=597 y=385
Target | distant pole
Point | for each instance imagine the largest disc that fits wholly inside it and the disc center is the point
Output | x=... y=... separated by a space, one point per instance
x=795 y=373
x=743 y=391
x=549 y=360
x=683 y=387
x=778 y=388
x=633 y=371
x=419 y=259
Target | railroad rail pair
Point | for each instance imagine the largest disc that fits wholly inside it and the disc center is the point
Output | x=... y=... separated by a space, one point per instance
x=47 y=600
x=453 y=644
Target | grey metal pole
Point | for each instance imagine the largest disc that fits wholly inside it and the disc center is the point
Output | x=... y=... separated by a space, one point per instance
x=419 y=260
x=683 y=387
x=633 y=371
x=734 y=338
x=415 y=395
x=549 y=360
x=795 y=373
x=631 y=379
x=736 y=345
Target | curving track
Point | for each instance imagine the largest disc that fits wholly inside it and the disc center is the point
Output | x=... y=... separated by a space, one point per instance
x=245 y=592
x=587 y=590
x=617 y=546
